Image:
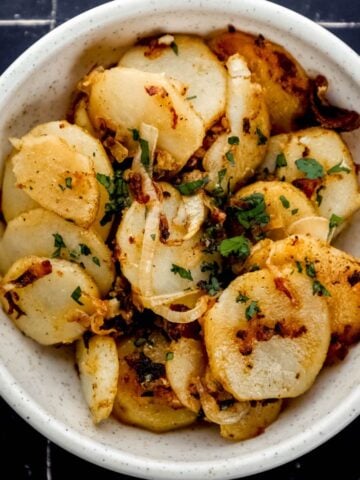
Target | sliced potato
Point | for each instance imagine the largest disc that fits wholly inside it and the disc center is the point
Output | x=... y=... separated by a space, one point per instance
x=48 y=300
x=315 y=226
x=187 y=364
x=57 y=177
x=81 y=117
x=99 y=371
x=123 y=98
x=236 y=154
x=14 y=200
x=204 y=79
x=84 y=143
x=336 y=190
x=268 y=335
x=258 y=416
x=285 y=82
x=285 y=205
x=146 y=399
x=337 y=271
x=45 y=234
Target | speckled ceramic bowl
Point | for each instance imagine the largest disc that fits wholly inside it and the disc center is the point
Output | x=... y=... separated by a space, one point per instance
x=41 y=383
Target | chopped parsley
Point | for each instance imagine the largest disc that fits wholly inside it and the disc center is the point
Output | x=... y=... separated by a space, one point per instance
x=280 y=161
x=241 y=298
x=190 y=188
x=192 y=97
x=294 y=211
x=174 y=48
x=234 y=140
x=76 y=294
x=169 y=356
x=319 y=197
x=96 y=261
x=58 y=244
x=145 y=153
x=251 y=214
x=299 y=266
x=186 y=274
x=135 y=134
x=84 y=249
x=310 y=268
x=284 y=201
x=153 y=236
x=68 y=182
x=252 y=310
x=334 y=222
x=262 y=139
x=118 y=192
x=310 y=167
x=211 y=286
x=238 y=246
x=320 y=290
x=230 y=157
x=337 y=169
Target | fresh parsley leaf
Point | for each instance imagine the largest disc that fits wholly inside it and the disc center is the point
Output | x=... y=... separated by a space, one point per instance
x=145 y=153
x=190 y=188
x=186 y=274
x=135 y=134
x=58 y=244
x=212 y=267
x=251 y=214
x=192 y=97
x=174 y=48
x=310 y=268
x=280 y=161
x=337 y=169
x=262 y=139
x=96 y=261
x=153 y=236
x=310 y=167
x=241 y=298
x=84 y=249
x=320 y=290
x=234 y=140
x=169 y=356
x=221 y=175
x=68 y=182
x=104 y=180
x=118 y=192
x=285 y=202
x=335 y=221
x=211 y=286
x=76 y=294
x=239 y=246
x=319 y=198
x=299 y=266
x=252 y=310
x=230 y=157
x=61 y=187
x=294 y=211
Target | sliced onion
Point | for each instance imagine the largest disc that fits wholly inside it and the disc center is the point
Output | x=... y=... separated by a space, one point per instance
x=148 y=249
x=196 y=214
x=156 y=300
x=191 y=315
x=315 y=226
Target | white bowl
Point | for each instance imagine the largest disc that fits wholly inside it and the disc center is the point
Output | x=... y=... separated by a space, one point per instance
x=41 y=383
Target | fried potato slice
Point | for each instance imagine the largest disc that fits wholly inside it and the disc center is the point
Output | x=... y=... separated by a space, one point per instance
x=14 y=200
x=123 y=98
x=285 y=205
x=236 y=154
x=258 y=416
x=85 y=144
x=337 y=272
x=45 y=234
x=285 y=82
x=204 y=79
x=57 y=177
x=144 y=397
x=48 y=300
x=81 y=117
x=334 y=187
x=99 y=371
x=268 y=335
x=187 y=364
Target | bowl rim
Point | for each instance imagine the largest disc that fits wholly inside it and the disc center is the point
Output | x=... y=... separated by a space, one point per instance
x=64 y=435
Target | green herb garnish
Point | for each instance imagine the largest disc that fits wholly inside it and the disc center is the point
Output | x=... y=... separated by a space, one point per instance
x=145 y=153
x=84 y=249
x=76 y=294
x=242 y=298
x=96 y=261
x=234 y=140
x=310 y=167
x=294 y=211
x=238 y=246
x=190 y=188
x=284 y=201
x=169 y=356
x=280 y=161
x=118 y=192
x=174 y=48
x=338 y=168
x=310 y=268
x=262 y=139
x=186 y=274
x=334 y=222
x=192 y=97
x=68 y=182
x=252 y=310
x=299 y=266
x=230 y=157
x=58 y=244
x=319 y=289
x=135 y=134
x=319 y=198
x=251 y=214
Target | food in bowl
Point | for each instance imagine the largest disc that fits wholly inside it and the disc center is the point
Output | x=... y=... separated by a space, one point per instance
x=177 y=227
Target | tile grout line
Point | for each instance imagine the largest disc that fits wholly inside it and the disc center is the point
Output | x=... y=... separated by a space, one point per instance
x=48 y=460
x=53 y=14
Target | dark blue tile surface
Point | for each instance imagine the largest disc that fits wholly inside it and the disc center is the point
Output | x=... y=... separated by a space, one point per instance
x=38 y=459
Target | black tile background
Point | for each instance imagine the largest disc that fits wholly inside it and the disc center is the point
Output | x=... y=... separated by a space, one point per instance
x=24 y=453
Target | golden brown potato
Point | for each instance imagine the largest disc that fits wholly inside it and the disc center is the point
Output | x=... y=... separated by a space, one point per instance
x=144 y=397
x=285 y=82
x=337 y=271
